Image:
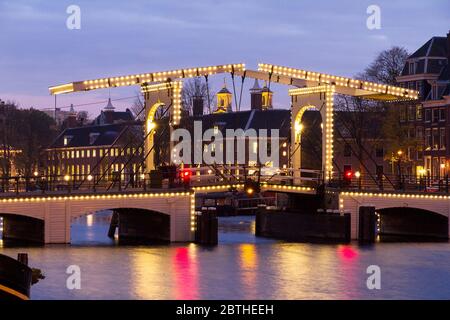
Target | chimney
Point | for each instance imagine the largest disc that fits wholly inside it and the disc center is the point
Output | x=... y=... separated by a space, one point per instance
x=256 y=96
x=197 y=106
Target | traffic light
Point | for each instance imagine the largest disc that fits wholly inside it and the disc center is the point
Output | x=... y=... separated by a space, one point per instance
x=348 y=175
x=185 y=177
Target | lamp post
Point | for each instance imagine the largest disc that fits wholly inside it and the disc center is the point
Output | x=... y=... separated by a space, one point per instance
x=67 y=179
x=399 y=163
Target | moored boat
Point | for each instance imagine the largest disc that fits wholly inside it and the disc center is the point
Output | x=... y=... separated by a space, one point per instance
x=15 y=279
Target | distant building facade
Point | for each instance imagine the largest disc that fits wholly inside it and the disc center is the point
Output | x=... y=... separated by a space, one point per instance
x=110 y=144
x=427 y=70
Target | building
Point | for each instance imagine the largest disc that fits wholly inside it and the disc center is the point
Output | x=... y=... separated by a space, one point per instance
x=111 y=145
x=257 y=118
x=427 y=70
x=69 y=118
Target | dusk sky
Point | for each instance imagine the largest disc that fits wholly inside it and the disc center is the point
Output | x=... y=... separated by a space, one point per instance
x=126 y=37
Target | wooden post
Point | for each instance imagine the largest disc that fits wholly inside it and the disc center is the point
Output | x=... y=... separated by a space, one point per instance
x=367 y=224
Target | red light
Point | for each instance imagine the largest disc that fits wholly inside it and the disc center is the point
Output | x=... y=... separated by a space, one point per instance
x=185 y=175
x=349 y=174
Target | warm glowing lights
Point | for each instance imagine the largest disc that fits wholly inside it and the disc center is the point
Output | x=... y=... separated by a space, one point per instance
x=379 y=90
x=66 y=177
x=90 y=177
x=357 y=174
x=393 y=195
x=99 y=196
x=139 y=79
x=174 y=88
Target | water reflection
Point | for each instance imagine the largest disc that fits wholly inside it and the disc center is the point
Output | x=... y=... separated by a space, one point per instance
x=185 y=273
x=240 y=267
x=150 y=270
x=248 y=265
x=348 y=266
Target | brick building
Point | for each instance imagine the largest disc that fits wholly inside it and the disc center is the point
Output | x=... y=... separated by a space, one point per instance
x=427 y=70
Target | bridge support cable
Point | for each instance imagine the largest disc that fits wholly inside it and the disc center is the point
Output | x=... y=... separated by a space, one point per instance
x=207 y=93
x=242 y=87
x=134 y=153
x=234 y=88
x=109 y=149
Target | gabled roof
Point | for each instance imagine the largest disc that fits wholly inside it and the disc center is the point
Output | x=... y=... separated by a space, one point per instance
x=435 y=47
x=104 y=135
x=249 y=119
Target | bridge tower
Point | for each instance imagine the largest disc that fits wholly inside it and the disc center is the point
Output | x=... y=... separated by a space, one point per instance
x=320 y=97
x=165 y=95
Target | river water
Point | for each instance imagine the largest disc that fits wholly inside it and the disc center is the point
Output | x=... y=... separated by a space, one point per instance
x=240 y=267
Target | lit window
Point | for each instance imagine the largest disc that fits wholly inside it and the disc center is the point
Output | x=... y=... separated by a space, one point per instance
x=94 y=153
x=88 y=153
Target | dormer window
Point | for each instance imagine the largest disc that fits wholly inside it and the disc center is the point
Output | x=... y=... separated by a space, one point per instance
x=66 y=140
x=93 y=137
x=412 y=68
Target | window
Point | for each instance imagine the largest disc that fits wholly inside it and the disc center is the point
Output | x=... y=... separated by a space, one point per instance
x=420 y=88
x=442 y=115
x=347 y=150
x=427 y=115
x=94 y=153
x=402 y=114
x=419 y=132
x=379 y=152
x=82 y=153
x=88 y=153
x=419 y=112
x=419 y=153
x=428 y=138
x=435 y=115
x=442 y=143
x=412 y=68
x=411 y=113
x=411 y=132
x=435 y=139
x=67 y=140
x=78 y=154
x=379 y=170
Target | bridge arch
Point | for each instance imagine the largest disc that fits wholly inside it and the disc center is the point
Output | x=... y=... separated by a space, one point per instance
x=134 y=224
x=301 y=138
x=22 y=228
x=411 y=222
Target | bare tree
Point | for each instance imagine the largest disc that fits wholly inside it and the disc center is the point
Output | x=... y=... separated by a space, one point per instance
x=361 y=121
x=387 y=66
x=137 y=106
x=196 y=87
